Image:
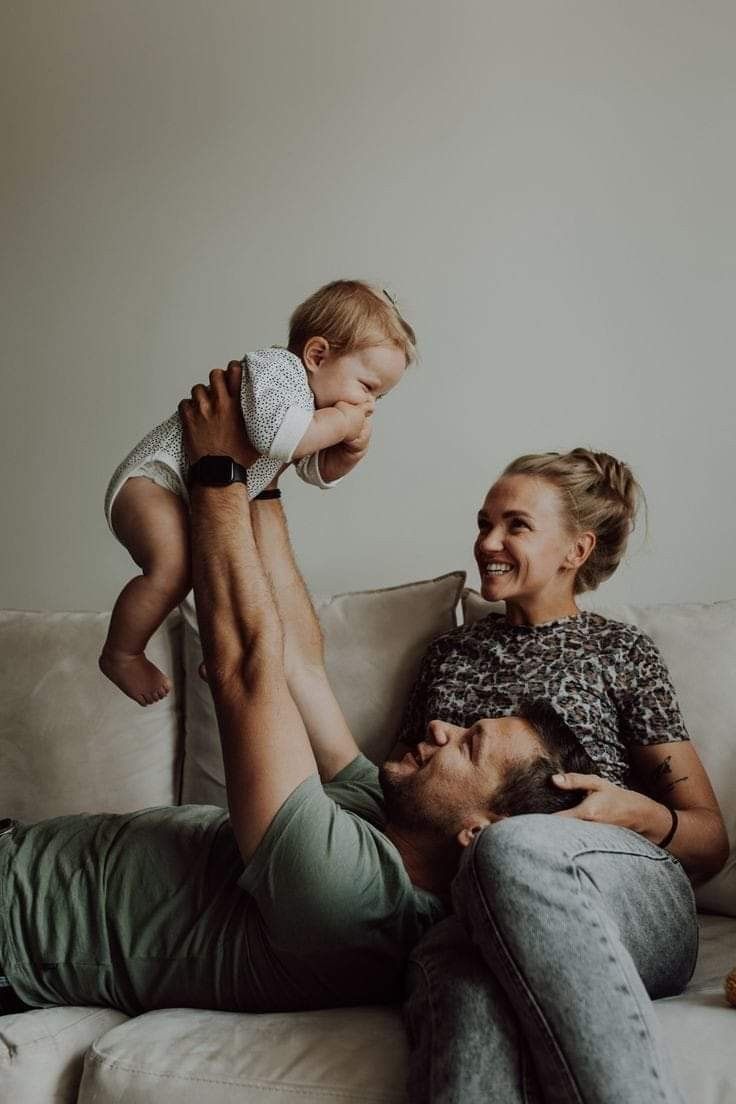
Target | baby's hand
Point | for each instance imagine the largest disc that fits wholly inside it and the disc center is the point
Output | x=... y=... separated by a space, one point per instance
x=355 y=415
x=338 y=460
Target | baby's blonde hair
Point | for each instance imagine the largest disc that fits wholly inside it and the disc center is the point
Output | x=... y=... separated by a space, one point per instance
x=350 y=315
x=599 y=494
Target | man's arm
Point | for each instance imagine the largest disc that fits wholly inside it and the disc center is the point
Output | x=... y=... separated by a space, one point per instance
x=265 y=747
x=329 y=735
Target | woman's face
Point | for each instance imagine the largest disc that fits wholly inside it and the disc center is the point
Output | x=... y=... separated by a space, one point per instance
x=525 y=553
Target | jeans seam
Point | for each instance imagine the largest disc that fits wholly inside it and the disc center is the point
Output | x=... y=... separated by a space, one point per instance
x=660 y=857
x=642 y=1020
x=553 y=1046
x=548 y=1035
x=432 y=1022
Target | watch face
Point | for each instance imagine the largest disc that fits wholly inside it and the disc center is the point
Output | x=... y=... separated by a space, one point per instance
x=215 y=471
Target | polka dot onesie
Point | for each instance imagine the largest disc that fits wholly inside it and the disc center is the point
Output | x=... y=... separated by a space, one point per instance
x=277 y=408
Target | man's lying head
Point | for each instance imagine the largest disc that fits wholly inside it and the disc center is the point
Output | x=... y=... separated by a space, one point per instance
x=458 y=780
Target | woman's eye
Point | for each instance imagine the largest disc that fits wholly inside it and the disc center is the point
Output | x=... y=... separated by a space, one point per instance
x=519 y=523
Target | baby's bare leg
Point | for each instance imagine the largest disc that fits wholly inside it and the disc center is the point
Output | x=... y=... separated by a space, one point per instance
x=153 y=524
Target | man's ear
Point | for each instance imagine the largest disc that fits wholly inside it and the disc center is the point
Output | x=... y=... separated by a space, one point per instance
x=580 y=550
x=314 y=353
x=472 y=825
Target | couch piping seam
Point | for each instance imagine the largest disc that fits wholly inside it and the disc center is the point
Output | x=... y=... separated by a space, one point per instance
x=347 y=1093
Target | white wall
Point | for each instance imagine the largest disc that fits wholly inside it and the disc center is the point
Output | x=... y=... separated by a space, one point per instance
x=549 y=187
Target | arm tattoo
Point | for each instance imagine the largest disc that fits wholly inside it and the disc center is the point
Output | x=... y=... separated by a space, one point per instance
x=658 y=777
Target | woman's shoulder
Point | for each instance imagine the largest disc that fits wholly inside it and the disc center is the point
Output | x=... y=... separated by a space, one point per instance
x=622 y=637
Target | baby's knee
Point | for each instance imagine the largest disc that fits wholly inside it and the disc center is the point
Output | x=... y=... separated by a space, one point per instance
x=170 y=574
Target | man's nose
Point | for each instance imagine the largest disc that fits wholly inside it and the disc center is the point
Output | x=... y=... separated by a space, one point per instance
x=437 y=734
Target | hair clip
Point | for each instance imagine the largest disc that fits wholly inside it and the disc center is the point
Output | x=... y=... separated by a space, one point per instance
x=391 y=298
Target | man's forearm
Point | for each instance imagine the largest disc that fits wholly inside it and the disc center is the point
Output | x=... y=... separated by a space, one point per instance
x=233 y=598
x=329 y=735
x=265 y=749
x=303 y=646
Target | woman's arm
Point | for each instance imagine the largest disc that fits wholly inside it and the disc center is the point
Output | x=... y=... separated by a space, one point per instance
x=674 y=778
x=654 y=731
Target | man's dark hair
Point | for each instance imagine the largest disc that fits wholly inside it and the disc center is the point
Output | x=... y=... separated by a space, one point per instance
x=528 y=786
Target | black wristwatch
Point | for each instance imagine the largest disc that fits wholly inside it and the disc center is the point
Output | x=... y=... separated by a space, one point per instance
x=217 y=471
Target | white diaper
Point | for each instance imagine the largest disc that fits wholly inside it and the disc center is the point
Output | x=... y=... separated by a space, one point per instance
x=159 y=473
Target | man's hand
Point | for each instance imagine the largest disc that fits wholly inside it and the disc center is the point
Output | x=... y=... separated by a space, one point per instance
x=212 y=420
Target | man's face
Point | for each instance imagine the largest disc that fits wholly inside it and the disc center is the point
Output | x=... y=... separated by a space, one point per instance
x=454 y=772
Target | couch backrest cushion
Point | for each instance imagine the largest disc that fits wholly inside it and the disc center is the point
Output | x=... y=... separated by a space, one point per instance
x=698 y=643
x=70 y=741
x=374 y=642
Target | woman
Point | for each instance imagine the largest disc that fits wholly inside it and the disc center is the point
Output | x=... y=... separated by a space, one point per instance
x=577 y=918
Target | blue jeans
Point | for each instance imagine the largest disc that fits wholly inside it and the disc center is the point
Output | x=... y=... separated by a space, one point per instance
x=538 y=988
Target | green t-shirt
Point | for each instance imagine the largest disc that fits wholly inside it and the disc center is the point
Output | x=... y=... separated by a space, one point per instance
x=156 y=909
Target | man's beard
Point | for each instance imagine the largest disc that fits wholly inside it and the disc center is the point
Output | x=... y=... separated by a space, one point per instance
x=407 y=806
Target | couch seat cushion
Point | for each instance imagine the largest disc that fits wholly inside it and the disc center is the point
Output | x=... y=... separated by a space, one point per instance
x=699 y=1025
x=185 y=1056
x=346 y=1056
x=42 y=1052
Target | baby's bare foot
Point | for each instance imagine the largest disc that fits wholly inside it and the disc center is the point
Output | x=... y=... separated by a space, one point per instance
x=135 y=676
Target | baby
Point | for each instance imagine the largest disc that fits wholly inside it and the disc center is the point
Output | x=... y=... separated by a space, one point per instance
x=348 y=347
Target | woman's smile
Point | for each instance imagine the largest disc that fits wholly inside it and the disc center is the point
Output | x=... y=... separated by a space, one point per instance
x=523 y=550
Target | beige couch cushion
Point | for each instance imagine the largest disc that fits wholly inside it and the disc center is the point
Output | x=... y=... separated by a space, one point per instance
x=70 y=741
x=698 y=643
x=374 y=642
x=190 y=1056
x=41 y=1052
x=358 y=1055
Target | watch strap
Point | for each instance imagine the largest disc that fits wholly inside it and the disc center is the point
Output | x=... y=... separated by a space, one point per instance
x=217 y=471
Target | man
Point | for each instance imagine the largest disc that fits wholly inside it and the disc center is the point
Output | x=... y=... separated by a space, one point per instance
x=313 y=892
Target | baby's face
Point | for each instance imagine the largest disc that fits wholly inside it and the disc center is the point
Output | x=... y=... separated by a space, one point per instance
x=357 y=377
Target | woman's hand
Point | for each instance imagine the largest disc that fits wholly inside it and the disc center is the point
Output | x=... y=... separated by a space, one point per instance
x=608 y=803
x=212 y=420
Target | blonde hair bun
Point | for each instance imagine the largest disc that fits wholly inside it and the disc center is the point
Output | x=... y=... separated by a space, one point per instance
x=599 y=494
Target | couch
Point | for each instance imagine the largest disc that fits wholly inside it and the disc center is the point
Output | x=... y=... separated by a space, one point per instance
x=69 y=742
